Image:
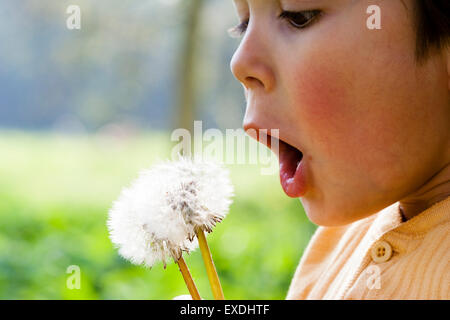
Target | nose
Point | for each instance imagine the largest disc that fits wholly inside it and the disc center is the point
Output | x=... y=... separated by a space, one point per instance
x=250 y=63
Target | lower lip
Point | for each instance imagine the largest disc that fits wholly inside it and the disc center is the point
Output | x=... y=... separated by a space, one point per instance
x=293 y=182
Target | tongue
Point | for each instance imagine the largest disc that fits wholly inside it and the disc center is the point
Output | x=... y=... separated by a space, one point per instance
x=289 y=159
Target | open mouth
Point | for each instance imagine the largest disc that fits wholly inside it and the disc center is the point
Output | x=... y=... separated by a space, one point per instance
x=291 y=161
x=292 y=170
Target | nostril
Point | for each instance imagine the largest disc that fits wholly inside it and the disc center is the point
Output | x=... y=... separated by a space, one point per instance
x=252 y=82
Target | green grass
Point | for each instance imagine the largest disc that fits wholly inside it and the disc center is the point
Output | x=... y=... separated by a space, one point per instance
x=55 y=193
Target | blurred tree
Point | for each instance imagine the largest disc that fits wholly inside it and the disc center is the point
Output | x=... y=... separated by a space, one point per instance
x=185 y=94
x=131 y=62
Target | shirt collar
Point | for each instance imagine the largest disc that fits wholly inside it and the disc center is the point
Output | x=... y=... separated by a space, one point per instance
x=389 y=225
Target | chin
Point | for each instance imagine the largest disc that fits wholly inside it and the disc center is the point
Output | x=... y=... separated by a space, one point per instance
x=333 y=215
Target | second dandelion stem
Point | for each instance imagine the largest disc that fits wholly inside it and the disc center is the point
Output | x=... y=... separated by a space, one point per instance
x=214 y=281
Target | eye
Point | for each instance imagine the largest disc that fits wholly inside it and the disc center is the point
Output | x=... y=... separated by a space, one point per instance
x=300 y=19
x=238 y=31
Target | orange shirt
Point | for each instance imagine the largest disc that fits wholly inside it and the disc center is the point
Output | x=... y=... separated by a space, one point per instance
x=379 y=257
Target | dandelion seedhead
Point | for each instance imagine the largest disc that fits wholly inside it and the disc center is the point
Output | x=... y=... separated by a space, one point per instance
x=157 y=216
x=202 y=192
x=142 y=224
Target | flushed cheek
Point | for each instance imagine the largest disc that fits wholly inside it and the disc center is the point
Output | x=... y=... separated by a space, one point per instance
x=342 y=136
x=322 y=107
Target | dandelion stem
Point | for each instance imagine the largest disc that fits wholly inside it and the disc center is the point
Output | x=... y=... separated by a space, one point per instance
x=188 y=279
x=214 y=281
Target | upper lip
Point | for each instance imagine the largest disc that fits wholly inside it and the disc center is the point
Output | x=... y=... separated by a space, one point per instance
x=282 y=136
x=258 y=122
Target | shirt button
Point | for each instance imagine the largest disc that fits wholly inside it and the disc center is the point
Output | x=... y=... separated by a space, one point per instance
x=381 y=252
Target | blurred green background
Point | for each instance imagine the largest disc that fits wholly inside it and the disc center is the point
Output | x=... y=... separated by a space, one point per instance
x=82 y=111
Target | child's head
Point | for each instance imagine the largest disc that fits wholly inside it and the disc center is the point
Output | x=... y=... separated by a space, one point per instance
x=368 y=108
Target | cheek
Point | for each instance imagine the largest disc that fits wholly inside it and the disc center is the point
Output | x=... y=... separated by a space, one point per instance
x=321 y=105
x=319 y=93
x=345 y=127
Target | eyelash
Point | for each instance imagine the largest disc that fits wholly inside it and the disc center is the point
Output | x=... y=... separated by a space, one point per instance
x=289 y=16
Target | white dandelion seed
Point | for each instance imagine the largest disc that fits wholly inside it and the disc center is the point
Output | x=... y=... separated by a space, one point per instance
x=143 y=224
x=202 y=192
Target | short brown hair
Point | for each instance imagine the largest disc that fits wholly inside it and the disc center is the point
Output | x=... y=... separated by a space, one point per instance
x=432 y=23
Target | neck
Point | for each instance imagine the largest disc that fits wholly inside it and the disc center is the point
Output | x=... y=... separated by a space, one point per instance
x=436 y=189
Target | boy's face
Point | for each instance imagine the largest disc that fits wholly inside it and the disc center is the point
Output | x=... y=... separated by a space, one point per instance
x=371 y=122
